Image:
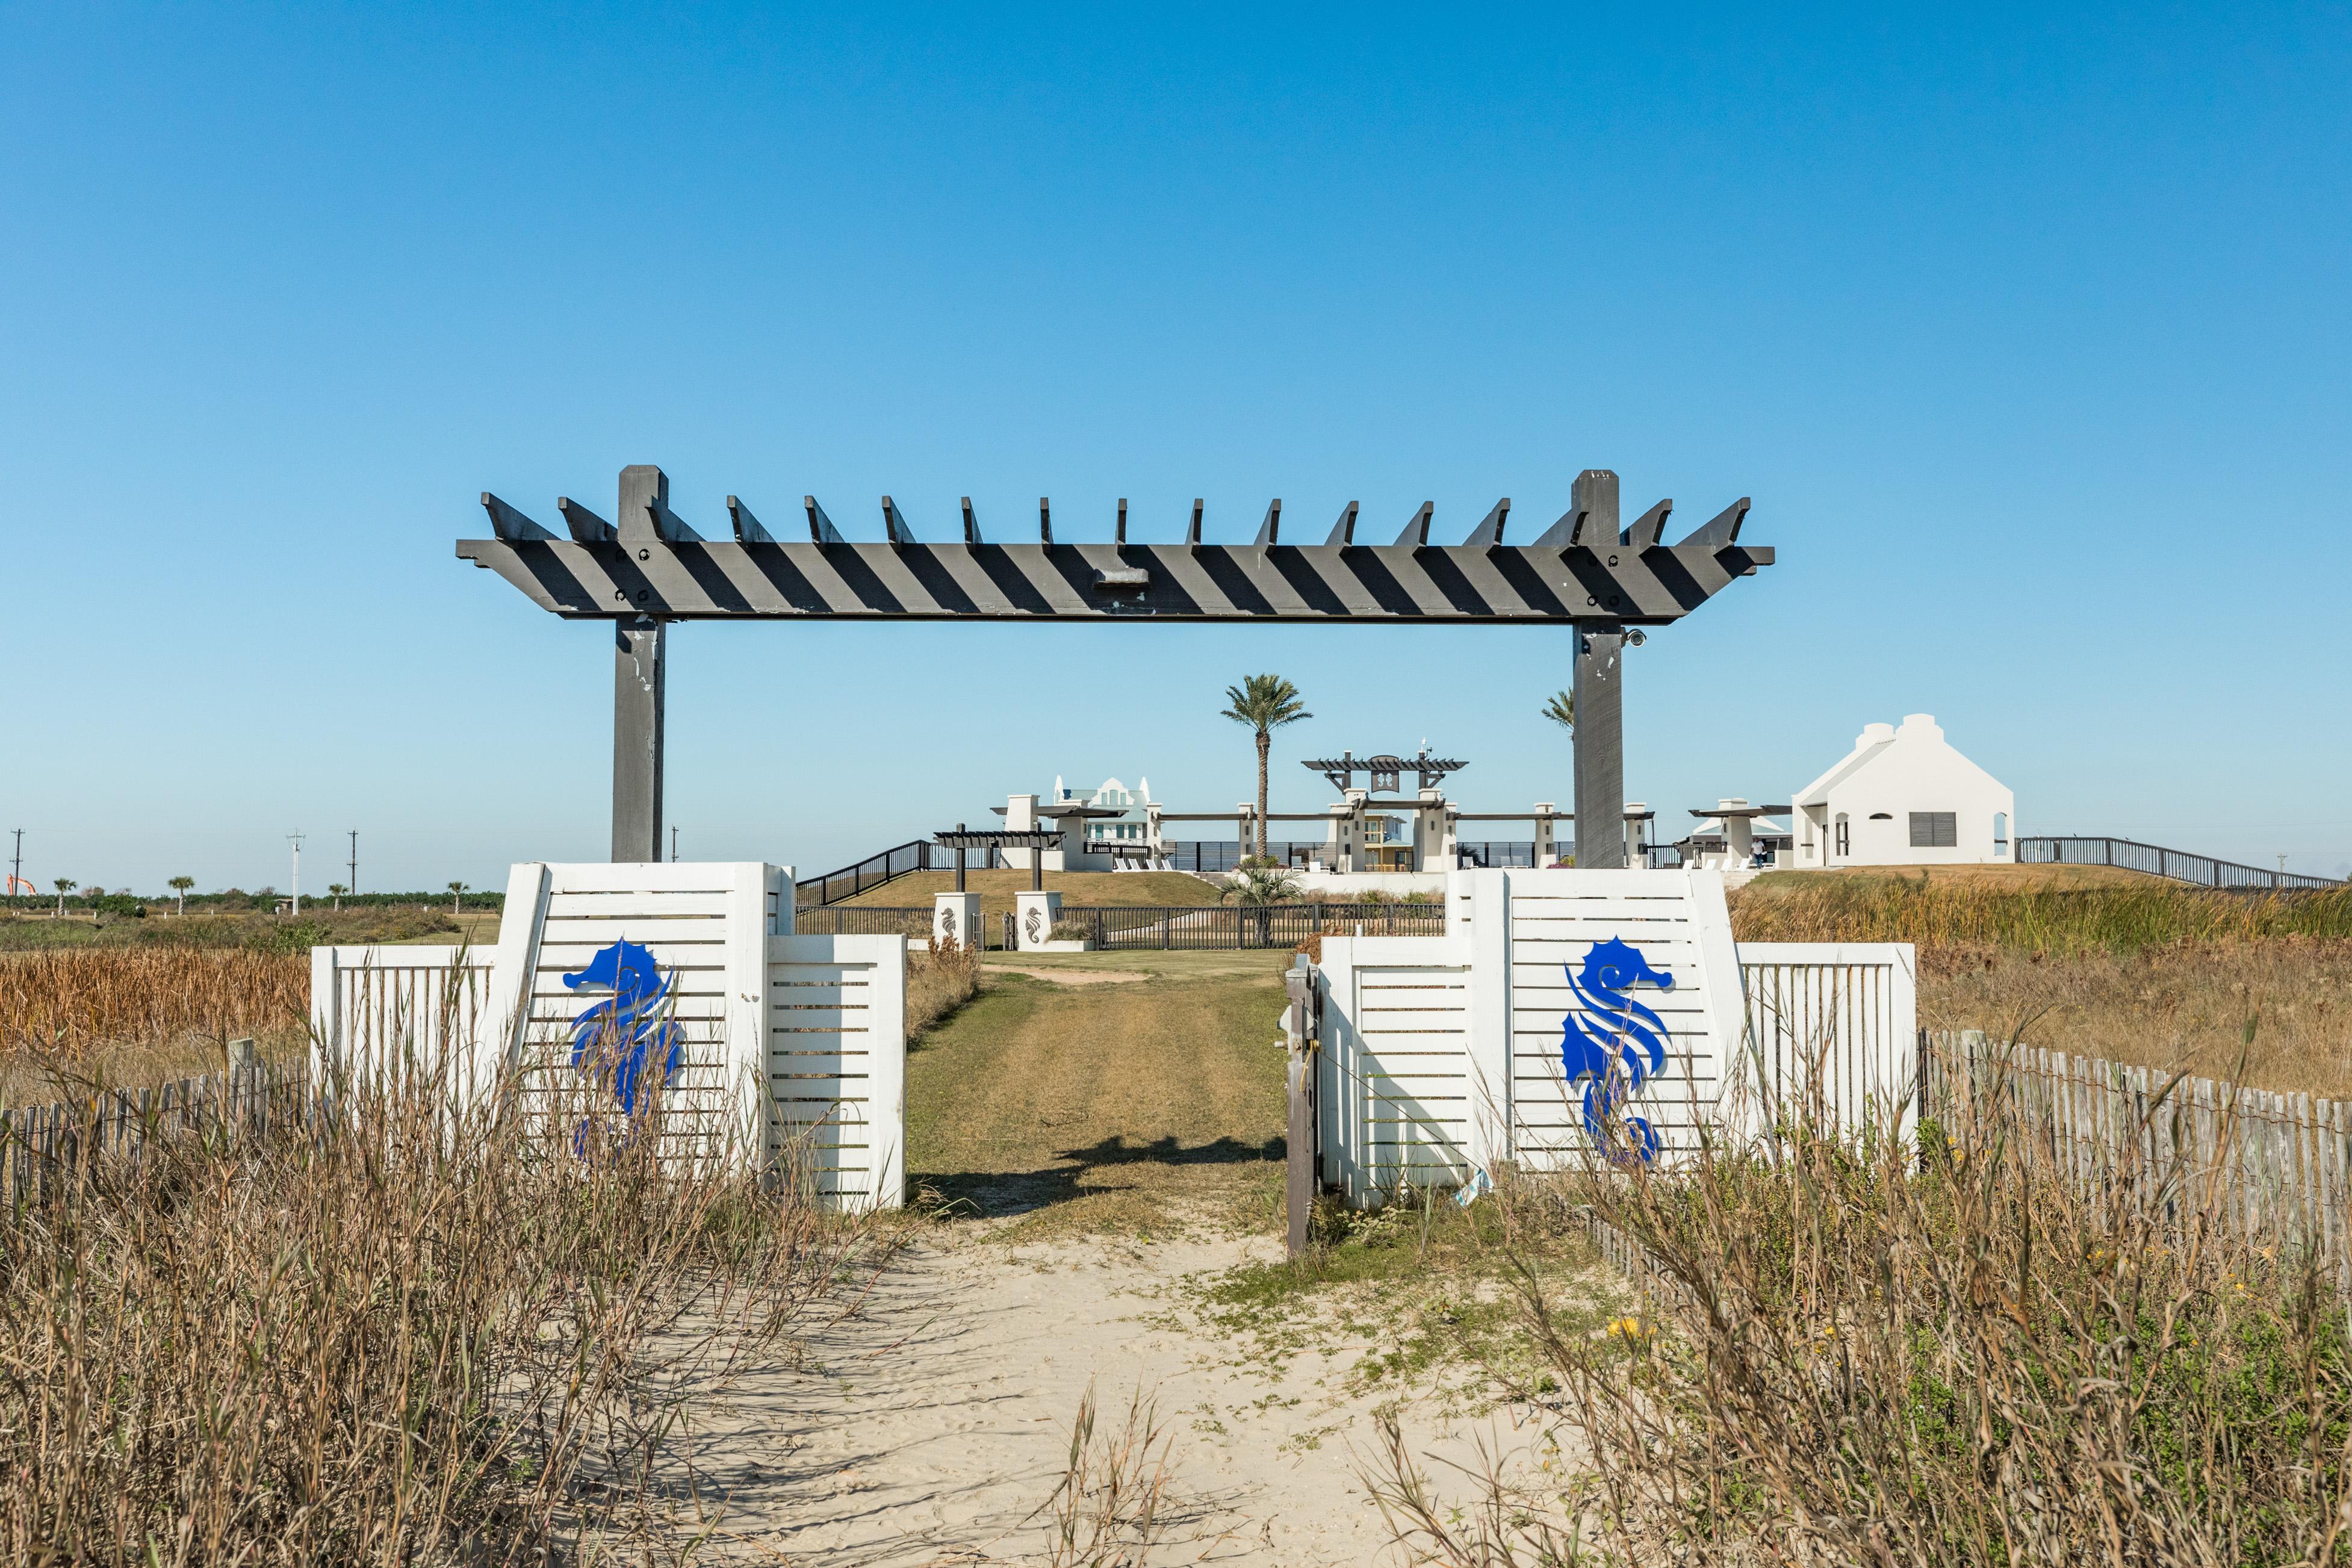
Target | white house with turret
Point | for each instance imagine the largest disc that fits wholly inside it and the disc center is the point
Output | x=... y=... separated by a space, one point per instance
x=1903 y=796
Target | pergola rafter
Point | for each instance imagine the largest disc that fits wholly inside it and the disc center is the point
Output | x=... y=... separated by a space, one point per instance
x=649 y=567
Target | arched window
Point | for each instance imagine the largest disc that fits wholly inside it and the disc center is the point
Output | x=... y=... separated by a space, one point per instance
x=2000 y=833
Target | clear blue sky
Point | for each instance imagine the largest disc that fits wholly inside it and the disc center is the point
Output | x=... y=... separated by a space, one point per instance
x=2027 y=332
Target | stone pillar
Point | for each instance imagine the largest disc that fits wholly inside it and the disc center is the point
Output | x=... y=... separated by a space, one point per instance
x=1034 y=914
x=1351 y=834
x=1633 y=854
x=955 y=920
x=1544 y=855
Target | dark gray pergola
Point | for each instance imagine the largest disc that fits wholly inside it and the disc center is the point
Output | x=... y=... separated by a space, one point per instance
x=647 y=567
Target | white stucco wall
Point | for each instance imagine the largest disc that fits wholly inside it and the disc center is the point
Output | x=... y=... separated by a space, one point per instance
x=1893 y=772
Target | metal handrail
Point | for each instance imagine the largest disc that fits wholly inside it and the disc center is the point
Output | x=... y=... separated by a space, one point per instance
x=2178 y=865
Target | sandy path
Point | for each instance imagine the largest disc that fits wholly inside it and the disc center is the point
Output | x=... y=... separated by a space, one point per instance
x=931 y=1425
x=1074 y=976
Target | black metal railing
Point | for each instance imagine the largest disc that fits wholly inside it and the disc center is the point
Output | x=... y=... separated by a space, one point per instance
x=1143 y=926
x=1129 y=927
x=862 y=920
x=2179 y=865
x=1225 y=855
x=916 y=854
x=1492 y=855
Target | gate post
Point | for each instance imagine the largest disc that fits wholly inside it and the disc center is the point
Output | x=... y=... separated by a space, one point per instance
x=1301 y=1029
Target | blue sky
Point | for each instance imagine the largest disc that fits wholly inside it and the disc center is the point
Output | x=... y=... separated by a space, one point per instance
x=2026 y=331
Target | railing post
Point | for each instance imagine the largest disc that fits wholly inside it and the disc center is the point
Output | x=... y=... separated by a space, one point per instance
x=1298 y=1141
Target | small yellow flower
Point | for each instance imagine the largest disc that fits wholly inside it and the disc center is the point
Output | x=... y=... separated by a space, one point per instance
x=1632 y=1329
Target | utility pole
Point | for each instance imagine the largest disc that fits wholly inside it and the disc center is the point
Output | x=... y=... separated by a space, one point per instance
x=355 y=883
x=673 y=842
x=296 y=840
x=16 y=869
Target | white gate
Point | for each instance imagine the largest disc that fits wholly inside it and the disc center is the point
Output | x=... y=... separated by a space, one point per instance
x=790 y=1046
x=1559 y=1003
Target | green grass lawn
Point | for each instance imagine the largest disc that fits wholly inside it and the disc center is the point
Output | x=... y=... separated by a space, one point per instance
x=1128 y=1107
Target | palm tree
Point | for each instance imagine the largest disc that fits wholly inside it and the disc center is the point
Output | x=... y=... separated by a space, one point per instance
x=1561 y=710
x=1265 y=703
x=64 y=885
x=457 y=895
x=338 y=889
x=180 y=884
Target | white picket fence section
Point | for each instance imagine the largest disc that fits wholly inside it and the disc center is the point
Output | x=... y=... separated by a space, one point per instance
x=1442 y=1055
x=382 y=1016
x=1832 y=1036
x=792 y=1048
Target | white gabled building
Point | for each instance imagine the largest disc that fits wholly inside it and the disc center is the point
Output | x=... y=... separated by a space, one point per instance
x=1903 y=796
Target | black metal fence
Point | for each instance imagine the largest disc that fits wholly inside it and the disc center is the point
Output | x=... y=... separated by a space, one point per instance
x=1497 y=854
x=1225 y=855
x=1116 y=926
x=2178 y=865
x=1143 y=926
x=862 y=920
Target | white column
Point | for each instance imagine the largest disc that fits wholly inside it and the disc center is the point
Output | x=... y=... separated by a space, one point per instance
x=955 y=920
x=1543 y=855
x=1034 y=914
x=1021 y=817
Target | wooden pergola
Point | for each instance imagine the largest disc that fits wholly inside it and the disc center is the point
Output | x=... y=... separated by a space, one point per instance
x=646 y=568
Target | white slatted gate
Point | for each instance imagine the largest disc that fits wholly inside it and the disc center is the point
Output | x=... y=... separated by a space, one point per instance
x=1444 y=1055
x=790 y=1046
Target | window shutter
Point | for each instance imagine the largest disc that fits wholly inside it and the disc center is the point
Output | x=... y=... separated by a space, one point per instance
x=1935 y=829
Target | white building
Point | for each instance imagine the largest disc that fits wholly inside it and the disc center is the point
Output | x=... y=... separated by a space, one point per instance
x=1129 y=826
x=1904 y=797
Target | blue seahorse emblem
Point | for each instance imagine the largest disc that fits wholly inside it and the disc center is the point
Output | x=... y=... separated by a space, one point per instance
x=617 y=1038
x=1613 y=1044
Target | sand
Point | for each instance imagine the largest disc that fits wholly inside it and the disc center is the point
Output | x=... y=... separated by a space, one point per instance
x=930 y=1426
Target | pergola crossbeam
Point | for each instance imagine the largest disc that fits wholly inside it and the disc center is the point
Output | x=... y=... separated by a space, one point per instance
x=651 y=567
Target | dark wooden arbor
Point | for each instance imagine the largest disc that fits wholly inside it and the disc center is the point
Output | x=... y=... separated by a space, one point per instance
x=646 y=568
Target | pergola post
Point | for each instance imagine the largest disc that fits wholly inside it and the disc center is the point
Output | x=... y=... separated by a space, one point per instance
x=640 y=655
x=640 y=652
x=1599 y=738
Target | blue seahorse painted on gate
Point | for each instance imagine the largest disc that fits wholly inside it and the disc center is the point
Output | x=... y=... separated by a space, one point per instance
x=618 y=1038
x=1612 y=1045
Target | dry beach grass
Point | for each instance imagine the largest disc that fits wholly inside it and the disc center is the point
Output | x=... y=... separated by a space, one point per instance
x=412 y=1334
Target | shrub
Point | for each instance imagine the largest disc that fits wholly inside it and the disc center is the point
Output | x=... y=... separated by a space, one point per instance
x=1071 y=931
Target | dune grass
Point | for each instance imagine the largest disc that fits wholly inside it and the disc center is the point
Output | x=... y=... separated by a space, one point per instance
x=1868 y=1353
x=409 y=1334
x=1932 y=912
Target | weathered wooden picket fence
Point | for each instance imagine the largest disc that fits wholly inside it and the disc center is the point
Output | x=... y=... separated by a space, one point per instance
x=46 y=1149
x=2271 y=1165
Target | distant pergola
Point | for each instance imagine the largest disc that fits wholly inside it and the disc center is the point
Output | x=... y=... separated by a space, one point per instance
x=647 y=567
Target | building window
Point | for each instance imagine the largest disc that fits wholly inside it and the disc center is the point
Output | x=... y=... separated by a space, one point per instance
x=1844 y=838
x=2001 y=832
x=1935 y=829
